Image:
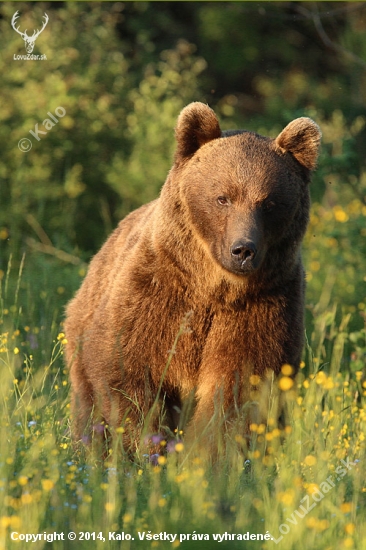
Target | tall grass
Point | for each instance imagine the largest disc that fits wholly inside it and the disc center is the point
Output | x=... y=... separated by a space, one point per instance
x=302 y=480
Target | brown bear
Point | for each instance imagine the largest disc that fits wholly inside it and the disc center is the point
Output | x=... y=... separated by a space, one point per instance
x=221 y=245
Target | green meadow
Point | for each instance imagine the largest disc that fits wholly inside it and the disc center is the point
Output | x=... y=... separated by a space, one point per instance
x=300 y=482
x=113 y=80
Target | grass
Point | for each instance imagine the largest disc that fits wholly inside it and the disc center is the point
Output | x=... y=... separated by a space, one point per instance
x=303 y=481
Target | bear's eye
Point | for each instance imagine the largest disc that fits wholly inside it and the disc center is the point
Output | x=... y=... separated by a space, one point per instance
x=269 y=205
x=223 y=201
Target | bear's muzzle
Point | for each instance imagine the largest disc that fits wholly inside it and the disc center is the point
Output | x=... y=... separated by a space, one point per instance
x=244 y=256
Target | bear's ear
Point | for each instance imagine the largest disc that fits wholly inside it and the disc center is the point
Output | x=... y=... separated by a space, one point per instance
x=197 y=124
x=301 y=138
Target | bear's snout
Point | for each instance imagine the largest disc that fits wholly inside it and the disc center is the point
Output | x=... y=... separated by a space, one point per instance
x=243 y=254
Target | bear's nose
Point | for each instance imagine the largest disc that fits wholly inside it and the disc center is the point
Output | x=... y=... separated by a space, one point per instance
x=243 y=251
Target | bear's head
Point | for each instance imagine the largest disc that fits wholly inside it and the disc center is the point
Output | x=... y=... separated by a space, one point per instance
x=246 y=195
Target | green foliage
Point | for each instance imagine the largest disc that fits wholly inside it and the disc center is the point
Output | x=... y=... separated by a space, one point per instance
x=53 y=181
x=166 y=88
x=335 y=242
x=122 y=73
x=112 y=149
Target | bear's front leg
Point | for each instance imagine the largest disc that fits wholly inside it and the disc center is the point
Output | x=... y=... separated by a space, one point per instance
x=223 y=384
x=255 y=340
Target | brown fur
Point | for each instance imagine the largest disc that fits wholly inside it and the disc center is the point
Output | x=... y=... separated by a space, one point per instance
x=180 y=254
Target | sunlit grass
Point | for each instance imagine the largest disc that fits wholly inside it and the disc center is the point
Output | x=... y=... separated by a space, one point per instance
x=274 y=486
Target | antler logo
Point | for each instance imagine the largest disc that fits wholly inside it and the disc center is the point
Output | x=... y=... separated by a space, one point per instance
x=29 y=40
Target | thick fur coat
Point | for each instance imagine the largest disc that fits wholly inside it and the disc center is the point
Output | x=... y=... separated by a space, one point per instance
x=222 y=245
